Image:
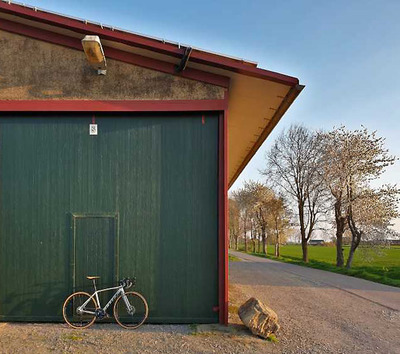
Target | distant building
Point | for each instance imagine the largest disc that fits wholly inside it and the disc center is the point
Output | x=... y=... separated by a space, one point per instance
x=394 y=242
x=316 y=242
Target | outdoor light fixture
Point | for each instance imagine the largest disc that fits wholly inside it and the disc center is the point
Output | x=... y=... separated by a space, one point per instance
x=94 y=53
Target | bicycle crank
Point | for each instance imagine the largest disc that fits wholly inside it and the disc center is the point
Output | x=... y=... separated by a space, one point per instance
x=100 y=314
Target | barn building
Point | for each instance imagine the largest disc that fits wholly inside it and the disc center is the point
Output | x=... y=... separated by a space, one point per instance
x=144 y=191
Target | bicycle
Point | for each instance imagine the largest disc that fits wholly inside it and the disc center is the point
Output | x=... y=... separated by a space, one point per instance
x=80 y=309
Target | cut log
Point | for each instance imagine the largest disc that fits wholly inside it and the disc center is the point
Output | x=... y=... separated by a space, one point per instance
x=259 y=318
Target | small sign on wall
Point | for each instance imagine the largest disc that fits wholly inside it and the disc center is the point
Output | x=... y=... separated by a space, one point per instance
x=92 y=129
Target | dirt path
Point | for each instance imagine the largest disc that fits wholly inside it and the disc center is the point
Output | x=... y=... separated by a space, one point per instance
x=110 y=338
x=320 y=311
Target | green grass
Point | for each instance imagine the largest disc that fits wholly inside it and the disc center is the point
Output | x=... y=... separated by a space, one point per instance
x=72 y=336
x=233 y=258
x=272 y=338
x=380 y=265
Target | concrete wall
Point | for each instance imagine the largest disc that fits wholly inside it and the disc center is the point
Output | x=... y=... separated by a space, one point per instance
x=31 y=69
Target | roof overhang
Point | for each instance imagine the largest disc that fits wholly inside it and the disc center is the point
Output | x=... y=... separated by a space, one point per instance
x=256 y=99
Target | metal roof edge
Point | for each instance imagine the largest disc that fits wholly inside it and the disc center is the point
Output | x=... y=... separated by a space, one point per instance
x=171 y=48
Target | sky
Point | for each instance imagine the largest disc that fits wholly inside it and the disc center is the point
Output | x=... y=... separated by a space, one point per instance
x=346 y=52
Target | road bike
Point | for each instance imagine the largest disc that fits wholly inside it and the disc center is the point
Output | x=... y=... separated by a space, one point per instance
x=81 y=309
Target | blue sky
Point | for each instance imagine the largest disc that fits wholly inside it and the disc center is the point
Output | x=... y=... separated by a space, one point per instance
x=347 y=53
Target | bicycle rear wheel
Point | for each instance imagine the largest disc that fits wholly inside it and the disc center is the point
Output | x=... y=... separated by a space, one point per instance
x=76 y=318
x=131 y=312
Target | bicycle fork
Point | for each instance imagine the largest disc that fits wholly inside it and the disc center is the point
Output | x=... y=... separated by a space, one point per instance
x=131 y=309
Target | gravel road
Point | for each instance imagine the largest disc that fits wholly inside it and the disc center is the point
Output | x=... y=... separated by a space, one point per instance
x=319 y=311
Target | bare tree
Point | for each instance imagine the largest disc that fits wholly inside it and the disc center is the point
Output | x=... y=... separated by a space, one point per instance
x=243 y=200
x=292 y=168
x=351 y=160
x=253 y=231
x=279 y=221
x=260 y=197
x=234 y=216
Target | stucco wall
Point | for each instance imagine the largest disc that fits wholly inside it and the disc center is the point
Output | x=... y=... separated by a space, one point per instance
x=31 y=69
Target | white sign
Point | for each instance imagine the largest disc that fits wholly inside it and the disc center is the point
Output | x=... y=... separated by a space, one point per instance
x=92 y=129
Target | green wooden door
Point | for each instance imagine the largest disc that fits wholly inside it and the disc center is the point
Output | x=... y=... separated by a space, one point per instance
x=157 y=172
x=95 y=252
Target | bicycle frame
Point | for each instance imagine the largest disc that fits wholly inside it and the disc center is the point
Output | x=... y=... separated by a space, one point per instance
x=120 y=291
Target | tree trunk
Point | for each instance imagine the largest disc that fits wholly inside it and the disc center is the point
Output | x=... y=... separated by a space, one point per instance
x=264 y=242
x=350 y=258
x=245 y=242
x=340 y=223
x=339 y=250
x=304 y=247
x=277 y=244
x=236 y=243
x=251 y=236
x=303 y=233
x=356 y=235
x=355 y=241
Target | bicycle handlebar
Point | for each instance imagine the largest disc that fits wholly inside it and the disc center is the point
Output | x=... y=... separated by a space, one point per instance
x=127 y=282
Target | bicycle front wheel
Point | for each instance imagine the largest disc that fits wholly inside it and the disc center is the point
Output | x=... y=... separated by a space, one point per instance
x=75 y=314
x=131 y=310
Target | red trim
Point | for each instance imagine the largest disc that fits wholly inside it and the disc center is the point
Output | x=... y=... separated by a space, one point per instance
x=240 y=67
x=223 y=222
x=164 y=106
x=156 y=106
x=147 y=43
x=113 y=53
x=111 y=106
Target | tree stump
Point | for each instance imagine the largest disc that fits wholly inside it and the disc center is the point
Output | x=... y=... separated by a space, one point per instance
x=259 y=318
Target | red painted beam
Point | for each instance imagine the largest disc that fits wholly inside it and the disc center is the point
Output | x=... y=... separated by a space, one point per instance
x=111 y=106
x=113 y=53
x=223 y=219
x=241 y=67
x=135 y=40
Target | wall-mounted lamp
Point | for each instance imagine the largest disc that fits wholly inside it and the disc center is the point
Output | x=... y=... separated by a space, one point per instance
x=94 y=53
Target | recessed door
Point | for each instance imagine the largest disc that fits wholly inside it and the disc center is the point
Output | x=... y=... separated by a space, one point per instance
x=95 y=251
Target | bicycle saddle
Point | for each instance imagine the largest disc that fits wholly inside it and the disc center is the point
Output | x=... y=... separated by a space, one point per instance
x=92 y=277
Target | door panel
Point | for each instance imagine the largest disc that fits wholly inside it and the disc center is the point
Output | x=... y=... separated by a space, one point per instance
x=95 y=239
x=157 y=171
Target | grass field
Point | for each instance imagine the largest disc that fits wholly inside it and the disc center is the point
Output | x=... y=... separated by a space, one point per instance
x=233 y=258
x=379 y=265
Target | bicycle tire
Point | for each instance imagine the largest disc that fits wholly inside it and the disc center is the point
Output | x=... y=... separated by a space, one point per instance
x=69 y=305
x=131 y=323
